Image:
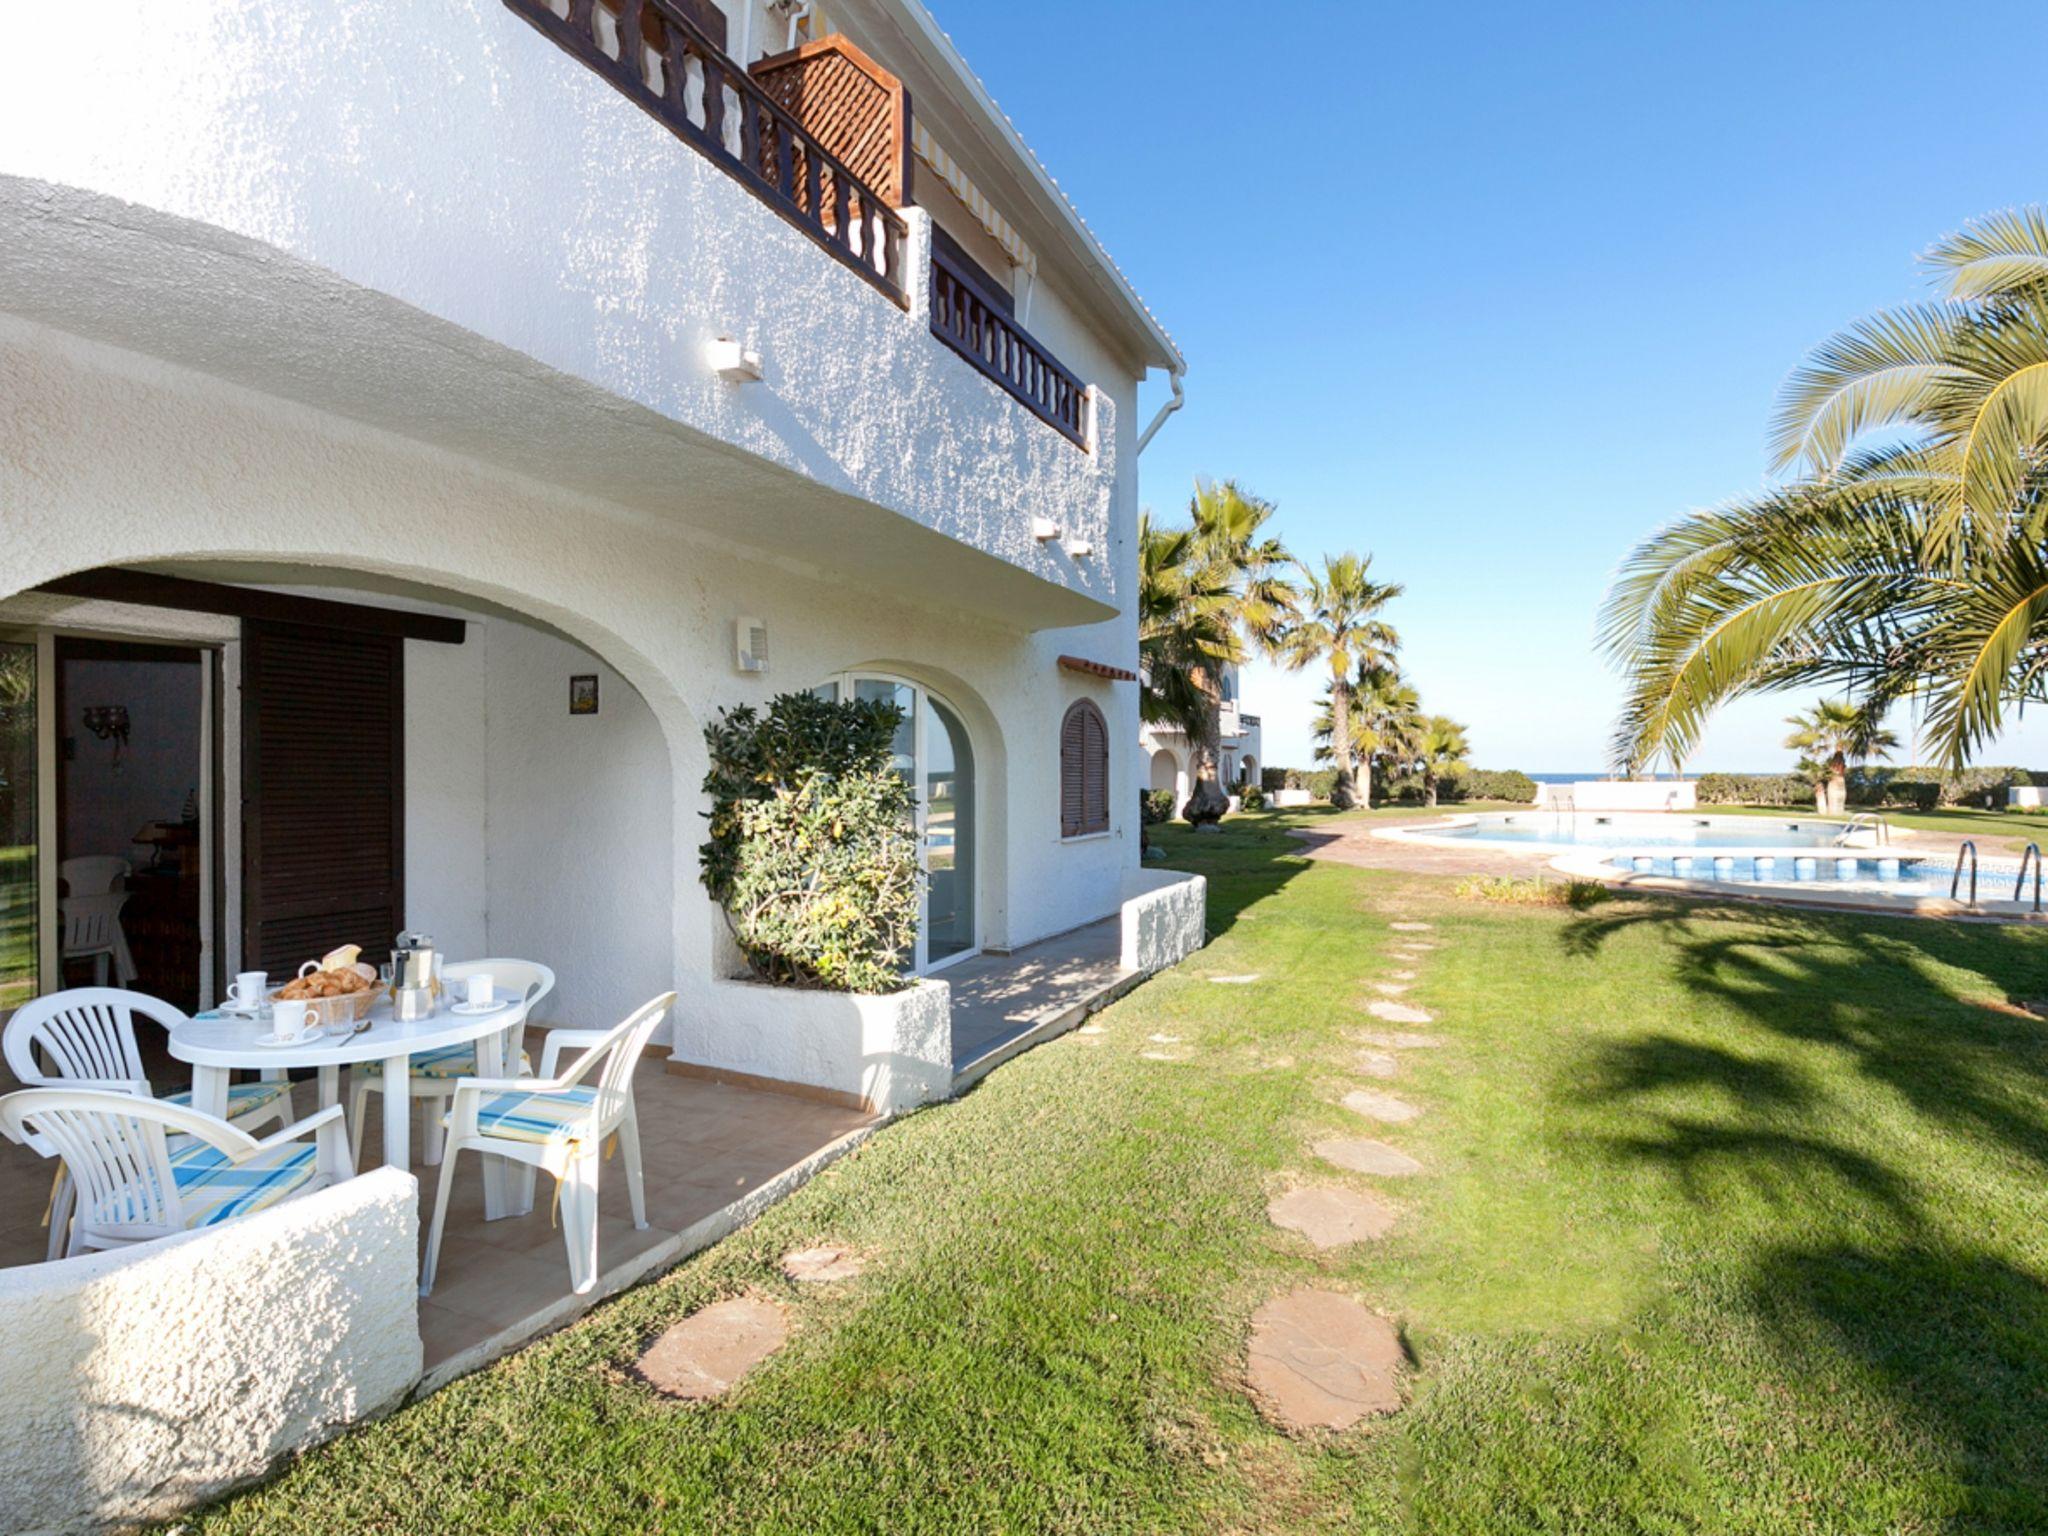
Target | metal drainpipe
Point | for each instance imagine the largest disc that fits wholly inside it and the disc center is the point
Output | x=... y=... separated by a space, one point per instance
x=1179 y=399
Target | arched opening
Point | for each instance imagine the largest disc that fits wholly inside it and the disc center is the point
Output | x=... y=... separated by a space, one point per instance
x=934 y=751
x=1165 y=771
x=1248 y=771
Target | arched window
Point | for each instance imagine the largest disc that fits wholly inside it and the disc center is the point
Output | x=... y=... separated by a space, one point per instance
x=1084 y=771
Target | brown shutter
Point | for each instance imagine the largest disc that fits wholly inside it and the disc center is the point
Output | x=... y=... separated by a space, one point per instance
x=1084 y=771
x=323 y=792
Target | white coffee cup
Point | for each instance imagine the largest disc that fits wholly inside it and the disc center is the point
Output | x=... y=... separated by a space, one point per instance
x=294 y=1020
x=249 y=987
x=481 y=992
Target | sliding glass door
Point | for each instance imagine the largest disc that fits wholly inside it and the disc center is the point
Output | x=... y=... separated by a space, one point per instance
x=19 y=808
x=933 y=754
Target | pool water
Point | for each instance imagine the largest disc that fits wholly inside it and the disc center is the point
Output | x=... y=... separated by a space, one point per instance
x=1586 y=829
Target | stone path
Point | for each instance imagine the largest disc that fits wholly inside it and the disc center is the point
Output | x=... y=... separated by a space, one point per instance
x=1398 y=1039
x=706 y=1354
x=1400 y=1013
x=1332 y=1217
x=822 y=1266
x=1323 y=1361
x=1361 y=1154
x=1378 y=1063
x=1411 y=927
x=1390 y=988
x=1375 y=1105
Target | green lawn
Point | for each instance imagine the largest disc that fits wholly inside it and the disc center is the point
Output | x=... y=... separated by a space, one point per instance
x=1737 y=1222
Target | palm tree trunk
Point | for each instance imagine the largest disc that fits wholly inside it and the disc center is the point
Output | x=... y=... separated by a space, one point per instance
x=1429 y=789
x=1207 y=801
x=1342 y=794
x=1838 y=784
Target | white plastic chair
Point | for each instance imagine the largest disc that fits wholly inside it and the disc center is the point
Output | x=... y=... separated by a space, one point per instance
x=92 y=931
x=98 y=874
x=145 y=1169
x=435 y=1073
x=558 y=1124
x=85 y=1038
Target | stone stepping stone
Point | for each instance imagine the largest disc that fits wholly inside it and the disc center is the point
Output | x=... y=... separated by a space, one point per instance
x=1162 y=1056
x=1164 y=1039
x=822 y=1266
x=1376 y=1105
x=704 y=1356
x=1090 y=1029
x=1378 y=1063
x=1400 y=1013
x=1398 y=1039
x=1417 y=947
x=1411 y=927
x=1401 y=975
x=1234 y=981
x=1390 y=988
x=1361 y=1154
x=1332 y=1217
x=1318 y=1360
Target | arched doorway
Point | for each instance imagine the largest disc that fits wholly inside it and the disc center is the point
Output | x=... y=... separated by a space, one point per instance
x=933 y=752
x=1165 y=771
x=1248 y=771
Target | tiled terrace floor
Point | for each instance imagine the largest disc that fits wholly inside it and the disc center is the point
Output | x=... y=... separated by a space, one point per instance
x=704 y=1145
x=1005 y=1003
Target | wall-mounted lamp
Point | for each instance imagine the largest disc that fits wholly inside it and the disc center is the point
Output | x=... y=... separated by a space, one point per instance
x=1080 y=549
x=109 y=722
x=1044 y=529
x=732 y=361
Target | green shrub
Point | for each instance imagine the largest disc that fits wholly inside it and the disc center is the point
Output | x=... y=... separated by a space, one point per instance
x=1926 y=788
x=1155 y=806
x=1251 y=797
x=1271 y=779
x=1536 y=892
x=1754 y=789
x=1488 y=784
x=813 y=844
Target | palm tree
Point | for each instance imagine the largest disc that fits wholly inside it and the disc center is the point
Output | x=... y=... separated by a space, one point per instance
x=1833 y=734
x=1241 y=568
x=1385 y=720
x=1440 y=746
x=1184 y=631
x=1339 y=623
x=1908 y=552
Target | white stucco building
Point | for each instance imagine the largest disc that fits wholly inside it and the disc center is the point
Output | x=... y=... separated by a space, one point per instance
x=1166 y=762
x=430 y=417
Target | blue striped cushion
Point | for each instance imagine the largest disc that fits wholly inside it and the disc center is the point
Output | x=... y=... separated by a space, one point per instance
x=214 y=1189
x=536 y=1117
x=243 y=1098
x=451 y=1062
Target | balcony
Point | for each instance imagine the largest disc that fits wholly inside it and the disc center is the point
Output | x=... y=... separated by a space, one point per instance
x=680 y=76
x=970 y=321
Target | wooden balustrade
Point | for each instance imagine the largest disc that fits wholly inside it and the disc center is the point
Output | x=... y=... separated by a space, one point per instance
x=972 y=323
x=680 y=76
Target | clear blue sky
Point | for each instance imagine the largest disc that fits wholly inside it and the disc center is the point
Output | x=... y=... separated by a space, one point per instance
x=1492 y=289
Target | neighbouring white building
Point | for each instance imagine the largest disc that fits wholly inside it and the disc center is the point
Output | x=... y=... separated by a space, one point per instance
x=429 y=417
x=1165 y=760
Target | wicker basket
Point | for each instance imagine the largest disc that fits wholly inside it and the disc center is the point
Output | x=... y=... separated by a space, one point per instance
x=348 y=1008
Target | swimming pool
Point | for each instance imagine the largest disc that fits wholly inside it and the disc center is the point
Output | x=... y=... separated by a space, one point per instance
x=1619 y=829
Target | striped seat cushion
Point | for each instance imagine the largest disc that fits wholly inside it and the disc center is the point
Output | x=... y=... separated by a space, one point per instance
x=243 y=1098
x=213 y=1189
x=451 y=1062
x=536 y=1117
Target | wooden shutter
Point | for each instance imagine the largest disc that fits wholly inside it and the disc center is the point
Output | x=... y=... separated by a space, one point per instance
x=323 y=792
x=1084 y=771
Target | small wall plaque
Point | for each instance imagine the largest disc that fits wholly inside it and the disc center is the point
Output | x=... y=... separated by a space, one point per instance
x=583 y=694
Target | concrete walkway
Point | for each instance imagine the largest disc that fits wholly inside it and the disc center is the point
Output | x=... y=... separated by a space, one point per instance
x=1004 y=1004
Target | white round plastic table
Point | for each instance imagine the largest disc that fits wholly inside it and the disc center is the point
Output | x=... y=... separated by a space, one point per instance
x=216 y=1044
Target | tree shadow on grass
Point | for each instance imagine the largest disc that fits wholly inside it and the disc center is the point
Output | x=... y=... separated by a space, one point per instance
x=1251 y=859
x=1957 y=1342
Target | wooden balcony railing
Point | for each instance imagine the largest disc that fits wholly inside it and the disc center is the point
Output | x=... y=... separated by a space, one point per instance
x=661 y=59
x=971 y=322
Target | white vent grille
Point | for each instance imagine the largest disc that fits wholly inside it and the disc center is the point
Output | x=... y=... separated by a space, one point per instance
x=750 y=645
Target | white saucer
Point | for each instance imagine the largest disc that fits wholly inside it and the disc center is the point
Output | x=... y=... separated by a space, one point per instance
x=273 y=1039
x=474 y=1008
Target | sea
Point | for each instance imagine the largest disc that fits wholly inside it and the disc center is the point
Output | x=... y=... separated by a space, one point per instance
x=1573 y=778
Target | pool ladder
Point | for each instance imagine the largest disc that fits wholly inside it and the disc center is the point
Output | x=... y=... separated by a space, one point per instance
x=2031 y=856
x=1871 y=821
x=1955 y=880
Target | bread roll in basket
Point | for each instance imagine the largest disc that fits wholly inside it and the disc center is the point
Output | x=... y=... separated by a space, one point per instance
x=337 y=987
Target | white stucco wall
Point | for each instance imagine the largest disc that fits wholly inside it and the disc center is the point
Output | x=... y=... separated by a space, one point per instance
x=1165 y=913
x=136 y=1383
x=211 y=472
x=893 y=1052
x=453 y=158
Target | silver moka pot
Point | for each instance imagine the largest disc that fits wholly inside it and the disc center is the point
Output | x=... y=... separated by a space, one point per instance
x=412 y=978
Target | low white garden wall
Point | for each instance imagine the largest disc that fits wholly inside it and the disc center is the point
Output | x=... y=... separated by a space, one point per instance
x=1625 y=794
x=1165 y=918
x=893 y=1050
x=134 y=1384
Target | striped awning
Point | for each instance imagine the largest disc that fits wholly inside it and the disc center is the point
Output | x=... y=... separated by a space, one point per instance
x=948 y=170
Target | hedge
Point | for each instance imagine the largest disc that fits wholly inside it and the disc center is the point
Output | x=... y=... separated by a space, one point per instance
x=1754 y=789
x=1488 y=784
x=1903 y=788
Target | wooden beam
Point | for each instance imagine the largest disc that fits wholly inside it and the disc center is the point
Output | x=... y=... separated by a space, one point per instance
x=111 y=583
x=1089 y=668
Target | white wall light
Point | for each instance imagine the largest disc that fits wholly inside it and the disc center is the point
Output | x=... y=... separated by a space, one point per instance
x=1044 y=529
x=732 y=361
x=1080 y=549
